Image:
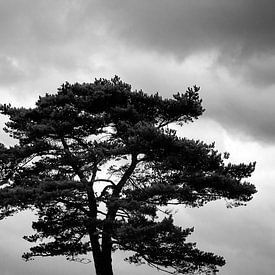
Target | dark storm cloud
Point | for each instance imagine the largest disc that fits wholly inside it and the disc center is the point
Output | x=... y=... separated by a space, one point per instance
x=245 y=110
x=60 y=34
x=239 y=30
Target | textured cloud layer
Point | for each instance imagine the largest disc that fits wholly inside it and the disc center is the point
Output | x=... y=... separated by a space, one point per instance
x=241 y=32
x=62 y=33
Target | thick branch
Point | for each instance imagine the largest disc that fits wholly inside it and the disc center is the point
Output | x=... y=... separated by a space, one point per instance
x=112 y=210
x=126 y=176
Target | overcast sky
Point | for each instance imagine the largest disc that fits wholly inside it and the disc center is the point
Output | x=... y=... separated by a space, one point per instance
x=227 y=47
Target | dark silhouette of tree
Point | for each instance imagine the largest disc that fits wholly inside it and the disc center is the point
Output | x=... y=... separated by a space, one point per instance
x=98 y=163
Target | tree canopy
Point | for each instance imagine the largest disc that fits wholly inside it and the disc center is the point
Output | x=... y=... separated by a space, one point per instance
x=99 y=164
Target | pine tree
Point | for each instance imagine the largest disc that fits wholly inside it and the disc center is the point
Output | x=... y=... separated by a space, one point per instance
x=98 y=161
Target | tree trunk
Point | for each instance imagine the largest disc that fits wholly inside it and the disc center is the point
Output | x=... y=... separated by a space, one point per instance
x=103 y=264
x=107 y=254
x=107 y=266
x=102 y=257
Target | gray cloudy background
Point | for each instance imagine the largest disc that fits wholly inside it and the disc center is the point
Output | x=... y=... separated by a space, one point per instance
x=227 y=47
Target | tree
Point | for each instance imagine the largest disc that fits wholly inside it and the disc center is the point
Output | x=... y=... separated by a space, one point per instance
x=99 y=164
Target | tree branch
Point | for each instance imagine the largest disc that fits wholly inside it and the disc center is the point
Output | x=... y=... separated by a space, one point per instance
x=89 y=188
x=105 y=180
x=126 y=175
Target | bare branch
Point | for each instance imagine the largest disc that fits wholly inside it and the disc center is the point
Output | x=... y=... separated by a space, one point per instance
x=105 y=180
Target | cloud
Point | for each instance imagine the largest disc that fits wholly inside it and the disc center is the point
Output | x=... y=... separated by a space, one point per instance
x=10 y=71
x=43 y=35
x=239 y=31
x=39 y=37
x=61 y=34
x=243 y=109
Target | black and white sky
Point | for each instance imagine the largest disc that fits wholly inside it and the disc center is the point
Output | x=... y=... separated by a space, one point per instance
x=227 y=47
